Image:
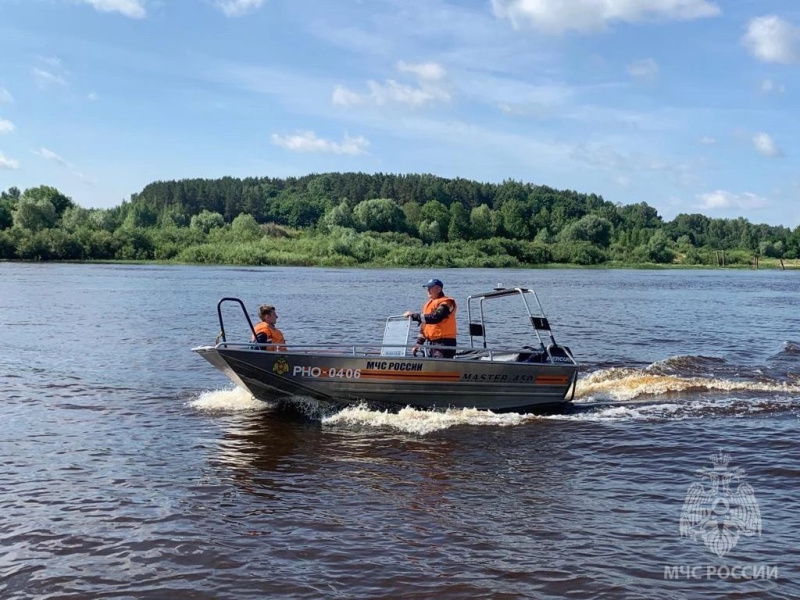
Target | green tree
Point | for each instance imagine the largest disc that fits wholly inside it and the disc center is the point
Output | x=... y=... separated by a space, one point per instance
x=435 y=211
x=589 y=228
x=413 y=213
x=206 y=221
x=639 y=216
x=658 y=249
x=515 y=219
x=6 y=215
x=244 y=228
x=34 y=215
x=74 y=218
x=379 y=214
x=133 y=243
x=105 y=219
x=140 y=215
x=338 y=216
x=43 y=193
x=430 y=232
x=480 y=220
x=459 y=228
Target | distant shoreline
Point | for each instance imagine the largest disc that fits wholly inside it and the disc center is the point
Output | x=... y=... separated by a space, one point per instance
x=764 y=265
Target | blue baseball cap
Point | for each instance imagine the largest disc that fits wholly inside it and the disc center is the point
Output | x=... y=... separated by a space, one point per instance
x=433 y=282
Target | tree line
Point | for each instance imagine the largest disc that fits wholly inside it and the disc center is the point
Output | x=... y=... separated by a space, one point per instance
x=340 y=219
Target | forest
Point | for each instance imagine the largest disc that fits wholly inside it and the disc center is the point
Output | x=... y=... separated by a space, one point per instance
x=349 y=219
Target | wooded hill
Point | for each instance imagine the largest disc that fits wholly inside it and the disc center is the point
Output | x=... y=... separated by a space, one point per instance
x=378 y=219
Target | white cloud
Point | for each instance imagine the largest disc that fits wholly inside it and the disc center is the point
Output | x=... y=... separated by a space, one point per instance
x=645 y=70
x=50 y=155
x=45 y=78
x=91 y=96
x=8 y=163
x=773 y=40
x=428 y=91
x=607 y=158
x=558 y=16
x=51 y=60
x=623 y=181
x=307 y=141
x=345 y=97
x=388 y=93
x=84 y=178
x=47 y=154
x=707 y=141
x=430 y=71
x=238 y=8
x=768 y=86
x=765 y=145
x=721 y=199
x=6 y=126
x=5 y=96
x=133 y=9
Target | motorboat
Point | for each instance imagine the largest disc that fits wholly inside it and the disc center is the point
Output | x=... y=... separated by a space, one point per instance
x=537 y=375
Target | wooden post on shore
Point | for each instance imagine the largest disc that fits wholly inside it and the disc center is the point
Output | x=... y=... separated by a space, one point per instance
x=720 y=257
x=782 y=267
x=755 y=261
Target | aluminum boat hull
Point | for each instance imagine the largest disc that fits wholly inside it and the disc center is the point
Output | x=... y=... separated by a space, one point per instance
x=498 y=384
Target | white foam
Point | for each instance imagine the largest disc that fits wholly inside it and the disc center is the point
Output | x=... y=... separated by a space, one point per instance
x=421 y=422
x=230 y=400
x=696 y=409
x=624 y=384
x=622 y=413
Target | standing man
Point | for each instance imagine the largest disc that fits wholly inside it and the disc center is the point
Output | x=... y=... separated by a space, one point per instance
x=437 y=321
x=266 y=332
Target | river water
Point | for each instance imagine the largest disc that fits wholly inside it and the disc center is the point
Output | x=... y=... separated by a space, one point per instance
x=131 y=468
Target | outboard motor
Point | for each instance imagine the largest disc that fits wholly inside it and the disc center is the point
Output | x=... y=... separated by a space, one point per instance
x=533 y=355
x=559 y=354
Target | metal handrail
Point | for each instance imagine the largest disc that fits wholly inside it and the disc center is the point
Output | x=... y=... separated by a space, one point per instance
x=366 y=348
x=222 y=325
x=501 y=293
x=354 y=348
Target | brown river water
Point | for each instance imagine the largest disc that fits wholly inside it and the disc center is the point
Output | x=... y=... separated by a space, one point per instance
x=131 y=468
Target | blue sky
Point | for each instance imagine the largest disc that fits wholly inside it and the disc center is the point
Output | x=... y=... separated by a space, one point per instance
x=688 y=105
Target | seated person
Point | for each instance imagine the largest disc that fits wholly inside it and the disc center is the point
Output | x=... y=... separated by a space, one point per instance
x=266 y=332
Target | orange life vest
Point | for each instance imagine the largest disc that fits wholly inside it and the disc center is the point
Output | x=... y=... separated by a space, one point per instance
x=273 y=334
x=443 y=329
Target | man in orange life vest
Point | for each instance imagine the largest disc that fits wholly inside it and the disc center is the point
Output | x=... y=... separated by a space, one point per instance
x=437 y=321
x=266 y=332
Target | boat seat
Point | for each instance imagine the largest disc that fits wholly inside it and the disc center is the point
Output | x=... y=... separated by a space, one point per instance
x=533 y=355
x=475 y=354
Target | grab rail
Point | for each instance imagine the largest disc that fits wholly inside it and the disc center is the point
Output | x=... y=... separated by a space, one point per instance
x=370 y=349
x=366 y=349
x=219 y=315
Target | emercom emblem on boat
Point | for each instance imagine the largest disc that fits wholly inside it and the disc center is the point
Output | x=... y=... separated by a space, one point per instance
x=281 y=366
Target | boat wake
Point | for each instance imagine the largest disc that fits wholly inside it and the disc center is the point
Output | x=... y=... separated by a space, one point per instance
x=236 y=399
x=681 y=387
x=626 y=384
x=422 y=422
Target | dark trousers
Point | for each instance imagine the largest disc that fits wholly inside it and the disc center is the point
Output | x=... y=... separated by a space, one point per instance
x=442 y=352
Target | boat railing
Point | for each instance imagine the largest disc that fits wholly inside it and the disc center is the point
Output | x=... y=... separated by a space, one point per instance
x=516 y=354
x=397 y=328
